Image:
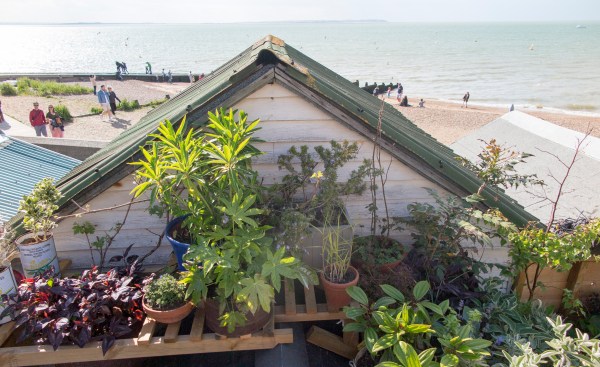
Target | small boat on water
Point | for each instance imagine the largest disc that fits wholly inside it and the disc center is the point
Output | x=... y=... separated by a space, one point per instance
x=580 y=26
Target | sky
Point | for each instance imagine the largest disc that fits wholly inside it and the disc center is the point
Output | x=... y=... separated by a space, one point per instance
x=228 y=11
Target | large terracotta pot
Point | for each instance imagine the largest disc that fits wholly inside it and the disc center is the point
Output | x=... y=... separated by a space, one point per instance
x=168 y=316
x=253 y=322
x=336 y=294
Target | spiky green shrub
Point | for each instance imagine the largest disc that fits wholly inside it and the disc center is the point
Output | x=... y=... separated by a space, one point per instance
x=126 y=105
x=164 y=293
x=7 y=90
x=63 y=112
x=49 y=88
x=96 y=110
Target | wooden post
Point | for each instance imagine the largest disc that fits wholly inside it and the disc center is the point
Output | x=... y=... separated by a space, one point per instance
x=331 y=342
x=290 y=297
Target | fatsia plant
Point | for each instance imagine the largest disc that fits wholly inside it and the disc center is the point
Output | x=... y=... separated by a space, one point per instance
x=207 y=175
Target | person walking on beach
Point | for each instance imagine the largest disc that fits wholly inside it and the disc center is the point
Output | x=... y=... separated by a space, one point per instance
x=112 y=98
x=57 y=129
x=389 y=91
x=104 y=101
x=1 y=114
x=93 y=81
x=399 y=92
x=38 y=120
x=465 y=100
x=148 y=68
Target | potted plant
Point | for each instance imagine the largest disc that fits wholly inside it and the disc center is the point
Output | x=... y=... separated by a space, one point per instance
x=231 y=267
x=8 y=282
x=94 y=307
x=164 y=299
x=298 y=205
x=36 y=248
x=337 y=274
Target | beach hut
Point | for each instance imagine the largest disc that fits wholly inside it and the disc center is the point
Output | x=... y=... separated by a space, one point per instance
x=549 y=142
x=299 y=102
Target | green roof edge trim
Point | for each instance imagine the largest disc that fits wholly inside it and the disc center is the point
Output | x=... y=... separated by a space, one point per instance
x=323 y=81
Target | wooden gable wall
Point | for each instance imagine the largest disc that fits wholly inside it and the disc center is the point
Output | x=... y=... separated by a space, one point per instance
x=286 y=119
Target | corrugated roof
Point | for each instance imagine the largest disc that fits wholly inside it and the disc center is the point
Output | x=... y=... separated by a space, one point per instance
x=22 y=165
x=320 y=80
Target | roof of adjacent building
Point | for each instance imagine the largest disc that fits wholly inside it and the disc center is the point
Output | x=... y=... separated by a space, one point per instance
x=22 y=166
x=525 y=133
x=219 y=89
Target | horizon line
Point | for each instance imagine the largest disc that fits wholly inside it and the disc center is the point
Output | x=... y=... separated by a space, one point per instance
x=302 y=21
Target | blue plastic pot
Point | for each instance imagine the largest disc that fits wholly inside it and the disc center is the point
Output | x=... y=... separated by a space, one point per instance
x=179 y=248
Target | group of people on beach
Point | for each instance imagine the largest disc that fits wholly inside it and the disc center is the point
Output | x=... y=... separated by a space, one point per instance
x=403 y=100
x=38 y=120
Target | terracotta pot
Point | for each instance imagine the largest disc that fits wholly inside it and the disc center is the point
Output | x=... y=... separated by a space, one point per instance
x=253 y=322
x=168 y=316
x=336 y=293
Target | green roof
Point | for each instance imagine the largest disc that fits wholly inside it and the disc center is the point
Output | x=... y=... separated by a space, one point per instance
x=109 y=165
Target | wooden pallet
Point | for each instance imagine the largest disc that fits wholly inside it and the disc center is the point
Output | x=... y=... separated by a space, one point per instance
x=291 y=311
x=147 y=344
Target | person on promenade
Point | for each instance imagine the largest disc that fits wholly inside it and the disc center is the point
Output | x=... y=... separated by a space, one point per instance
x=191 y=77
x=148 y=68
x=38 y=120
x=399 y=92
x=112 y=98
x=170 y=77
x=465 y=100
x=1 y=114
x=93 y=81
x=103 y=99
x=57 y=129
x=421 y=103
x=389 y=91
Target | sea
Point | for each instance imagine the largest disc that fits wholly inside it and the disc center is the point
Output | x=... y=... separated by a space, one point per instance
x=555 y=66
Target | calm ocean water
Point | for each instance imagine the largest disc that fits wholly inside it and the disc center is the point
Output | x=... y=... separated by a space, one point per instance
x=550 y=64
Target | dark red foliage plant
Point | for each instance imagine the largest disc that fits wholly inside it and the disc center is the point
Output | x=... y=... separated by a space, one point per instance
x=94 y=307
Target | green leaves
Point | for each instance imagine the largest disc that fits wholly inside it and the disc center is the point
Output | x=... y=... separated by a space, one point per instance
x=256 y=292
x=420 y=290
x=392 y=292
x=358 y=295
x=38 y=208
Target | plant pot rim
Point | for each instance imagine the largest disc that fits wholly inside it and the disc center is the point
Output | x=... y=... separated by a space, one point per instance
x=18 y=240
x=350 y=267
x=167 y=310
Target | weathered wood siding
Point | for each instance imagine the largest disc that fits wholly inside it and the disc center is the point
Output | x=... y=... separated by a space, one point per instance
x=286 y=119
x=135 y=230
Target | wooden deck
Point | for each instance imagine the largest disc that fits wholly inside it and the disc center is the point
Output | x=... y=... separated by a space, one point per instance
x=176 y=340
